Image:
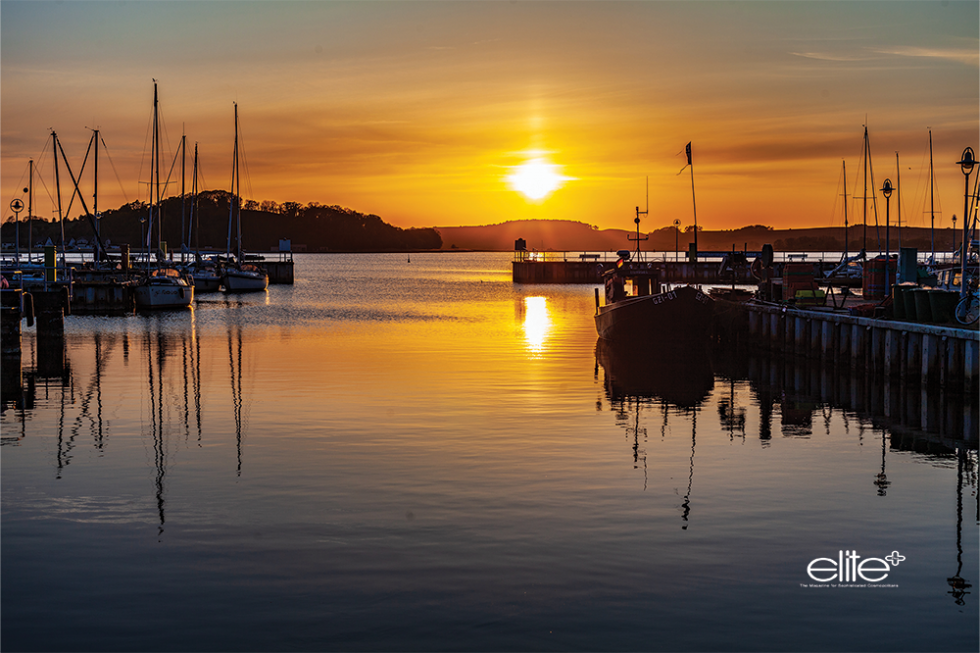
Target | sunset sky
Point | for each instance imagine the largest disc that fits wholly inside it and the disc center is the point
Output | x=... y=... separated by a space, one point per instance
x=420 y=112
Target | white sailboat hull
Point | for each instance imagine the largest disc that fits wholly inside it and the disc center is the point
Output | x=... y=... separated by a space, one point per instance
x=245 y=281
x=164 y=295
x=206 y=282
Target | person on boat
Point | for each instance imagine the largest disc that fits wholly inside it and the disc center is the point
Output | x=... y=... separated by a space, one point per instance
x=615 y=284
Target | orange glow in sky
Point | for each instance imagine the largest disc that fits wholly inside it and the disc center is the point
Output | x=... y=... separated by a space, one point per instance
x=433 y=113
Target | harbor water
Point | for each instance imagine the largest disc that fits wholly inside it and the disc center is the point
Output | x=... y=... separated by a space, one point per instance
x=423 y=455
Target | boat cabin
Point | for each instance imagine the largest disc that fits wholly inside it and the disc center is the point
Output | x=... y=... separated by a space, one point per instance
x=631 y=279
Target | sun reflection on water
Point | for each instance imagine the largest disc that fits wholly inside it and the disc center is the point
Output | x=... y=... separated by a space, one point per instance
x=537 y=324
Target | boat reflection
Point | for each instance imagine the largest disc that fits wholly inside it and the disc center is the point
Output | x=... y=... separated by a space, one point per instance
x=679 y=379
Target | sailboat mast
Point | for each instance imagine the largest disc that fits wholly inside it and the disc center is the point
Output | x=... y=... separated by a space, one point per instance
x=932 y=200
x=57 y=184
x=231 y=203
x=156 y=159
x=30 y=213
x=865 y=243
x=844 y=169
x=95 y=194
x=238 y=192
x=183 y=193
x=192 y=232
x=898 y=193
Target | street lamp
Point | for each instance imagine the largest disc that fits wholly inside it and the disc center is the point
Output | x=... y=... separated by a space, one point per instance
x=954 y=232
x=886 y=190
x=677 y=232
x=966 y=165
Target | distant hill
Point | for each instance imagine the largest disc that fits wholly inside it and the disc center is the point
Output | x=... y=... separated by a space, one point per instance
x=312 y=228
x=568 y=236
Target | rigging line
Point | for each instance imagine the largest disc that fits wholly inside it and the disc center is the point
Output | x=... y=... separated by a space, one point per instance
x=173 y=164
x=81 y=171
x=920 y=182
x=244 y=160
x=112 y=164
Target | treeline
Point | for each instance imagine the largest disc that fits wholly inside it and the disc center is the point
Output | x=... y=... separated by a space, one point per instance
x=315 y=227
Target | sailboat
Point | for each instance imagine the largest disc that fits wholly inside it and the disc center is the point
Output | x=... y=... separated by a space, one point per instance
x=205 y=274
x=240 y=276
x=163 y=286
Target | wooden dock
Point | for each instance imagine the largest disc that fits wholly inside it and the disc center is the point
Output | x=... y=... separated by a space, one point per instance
x=929 y=355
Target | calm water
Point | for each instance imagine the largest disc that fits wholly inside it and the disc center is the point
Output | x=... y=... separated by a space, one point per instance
x=424 y=456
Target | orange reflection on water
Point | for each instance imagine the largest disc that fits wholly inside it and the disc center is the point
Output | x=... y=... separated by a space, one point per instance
x=537 y=324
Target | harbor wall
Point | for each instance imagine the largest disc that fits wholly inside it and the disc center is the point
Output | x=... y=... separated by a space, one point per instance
x=590 y=271
x=923 y=354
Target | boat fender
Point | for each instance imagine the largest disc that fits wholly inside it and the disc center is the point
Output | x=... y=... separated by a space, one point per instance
x=28 y=300
x=66 y=300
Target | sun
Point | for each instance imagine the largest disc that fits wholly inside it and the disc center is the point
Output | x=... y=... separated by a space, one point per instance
x=536 y=178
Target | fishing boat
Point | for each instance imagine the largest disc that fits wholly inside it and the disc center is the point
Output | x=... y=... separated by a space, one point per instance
x=240 y=276
x=639 y=311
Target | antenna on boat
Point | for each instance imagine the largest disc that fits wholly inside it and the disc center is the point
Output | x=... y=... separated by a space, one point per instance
x=638 y=238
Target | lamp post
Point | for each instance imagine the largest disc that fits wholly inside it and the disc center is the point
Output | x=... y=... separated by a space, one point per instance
x=886 y=190
x=954 y=232
x=677 y=232
x=966 y=165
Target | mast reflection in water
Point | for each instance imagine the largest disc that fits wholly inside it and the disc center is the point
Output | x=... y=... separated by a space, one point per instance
x=676 y=380
x=389 y=456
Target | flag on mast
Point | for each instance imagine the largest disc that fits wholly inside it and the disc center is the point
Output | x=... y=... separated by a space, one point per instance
x=687 y=148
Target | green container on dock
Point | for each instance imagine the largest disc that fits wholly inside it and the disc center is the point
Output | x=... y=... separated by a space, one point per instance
x=943 y=305
x=908 y=299
x=899 y=310
x=923 y=310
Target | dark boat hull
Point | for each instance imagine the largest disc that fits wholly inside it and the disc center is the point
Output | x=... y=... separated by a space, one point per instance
x=680 y=315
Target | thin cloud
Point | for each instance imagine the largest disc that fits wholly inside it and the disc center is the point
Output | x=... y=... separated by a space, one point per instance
x=969 y=57
x=827 y=56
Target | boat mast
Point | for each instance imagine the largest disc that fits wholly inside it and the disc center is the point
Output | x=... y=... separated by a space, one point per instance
x=234 y=176
x=183 y=198
x=156 y=159
x=898 y=193
x=57 y=184
x=238 y=193
x=932 y=201
x=865 y=198
x=693 y=201
x=191 y=232
x=95 y=193
x=30 y=213
x=844 y=169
